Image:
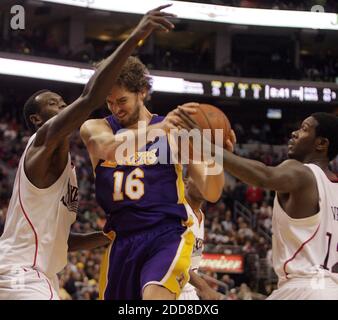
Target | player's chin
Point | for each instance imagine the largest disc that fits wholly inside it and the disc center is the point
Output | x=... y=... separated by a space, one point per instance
x=291 y=154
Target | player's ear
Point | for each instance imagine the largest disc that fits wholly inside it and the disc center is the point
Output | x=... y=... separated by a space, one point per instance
x=143 y=94
x=108 y=105
x=322 y=144
x=36 y=120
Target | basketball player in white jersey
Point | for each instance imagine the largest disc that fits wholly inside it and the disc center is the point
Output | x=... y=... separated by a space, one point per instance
x=195 y=201
x=305 y=213
x=33 y=247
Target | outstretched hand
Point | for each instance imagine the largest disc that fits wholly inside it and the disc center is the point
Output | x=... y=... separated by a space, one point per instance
x=189 y=124
x=154 y=20
x=204 y=291
x=179 y=117
x=230 y=143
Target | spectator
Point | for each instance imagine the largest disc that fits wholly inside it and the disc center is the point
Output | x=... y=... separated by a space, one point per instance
x=227 y=223
x=254 y=195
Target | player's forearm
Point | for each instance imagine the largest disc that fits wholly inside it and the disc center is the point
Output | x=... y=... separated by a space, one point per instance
x=106 y=75
x=87 y=241
x=210 y=185
x=249 y=171
x=213 y=186
x=93 y=96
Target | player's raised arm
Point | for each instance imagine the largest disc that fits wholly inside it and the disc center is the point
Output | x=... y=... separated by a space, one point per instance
x=97 y=89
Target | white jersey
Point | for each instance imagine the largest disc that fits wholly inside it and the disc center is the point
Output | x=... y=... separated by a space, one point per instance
x=188 y=291
x=38 y=223
x=305 y=252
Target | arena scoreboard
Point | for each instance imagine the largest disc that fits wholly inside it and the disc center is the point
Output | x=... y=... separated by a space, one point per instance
x=249 y=89
x=271 y=92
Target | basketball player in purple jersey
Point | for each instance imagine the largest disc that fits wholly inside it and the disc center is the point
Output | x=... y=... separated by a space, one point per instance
x=144 y=201
x=143 y=198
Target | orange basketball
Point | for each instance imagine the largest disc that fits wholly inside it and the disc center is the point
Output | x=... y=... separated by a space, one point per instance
x=210 y=117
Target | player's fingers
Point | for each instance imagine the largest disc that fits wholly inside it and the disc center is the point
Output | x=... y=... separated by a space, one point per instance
x=229 y=145
x=160 y=8
x=188 y=124
x=163 y=14
x=195 y=280
x=190 y=106
x=233 y=137
x=187 y=119
x=187 y=111
x=162 y=23
x=179 y=123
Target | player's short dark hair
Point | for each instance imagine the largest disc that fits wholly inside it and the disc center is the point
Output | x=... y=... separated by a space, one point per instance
x=328 y=128
x=134 y=75
x=32 y=107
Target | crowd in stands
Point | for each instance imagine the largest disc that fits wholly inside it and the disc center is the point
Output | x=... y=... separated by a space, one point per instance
x=276 y=64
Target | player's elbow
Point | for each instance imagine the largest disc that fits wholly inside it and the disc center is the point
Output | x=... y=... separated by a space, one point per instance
x=101 y=148
x=262 y=177
x=272 y=179
x=212 y=199
x=88 y=99
x=214 y=188
x=212 y=195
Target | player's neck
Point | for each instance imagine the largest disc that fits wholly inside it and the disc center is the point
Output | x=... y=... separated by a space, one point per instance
x=322 y=163
x=144 y=115
x=195 y=204
x=197 y=212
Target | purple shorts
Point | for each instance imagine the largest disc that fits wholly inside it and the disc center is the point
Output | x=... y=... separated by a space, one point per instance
x=161 y=255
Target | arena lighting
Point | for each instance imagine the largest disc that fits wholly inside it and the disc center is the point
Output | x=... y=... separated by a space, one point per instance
x=216 y=13
x=54 y=72
x=223 y=88
x=44 y=71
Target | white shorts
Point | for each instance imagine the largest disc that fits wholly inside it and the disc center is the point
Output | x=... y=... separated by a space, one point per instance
x=309 y=289
x=18 y=283
x=188 y=295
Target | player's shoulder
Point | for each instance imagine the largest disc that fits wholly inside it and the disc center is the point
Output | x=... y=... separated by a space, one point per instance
x=298 y=169
x=93 y=126
x=294 y=164
x=94 y=122
x=291 y=162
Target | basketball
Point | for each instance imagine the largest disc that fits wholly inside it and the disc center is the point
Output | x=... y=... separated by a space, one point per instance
x=210 y=117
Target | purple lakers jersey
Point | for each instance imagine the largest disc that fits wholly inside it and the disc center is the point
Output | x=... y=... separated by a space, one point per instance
x=145 y=191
